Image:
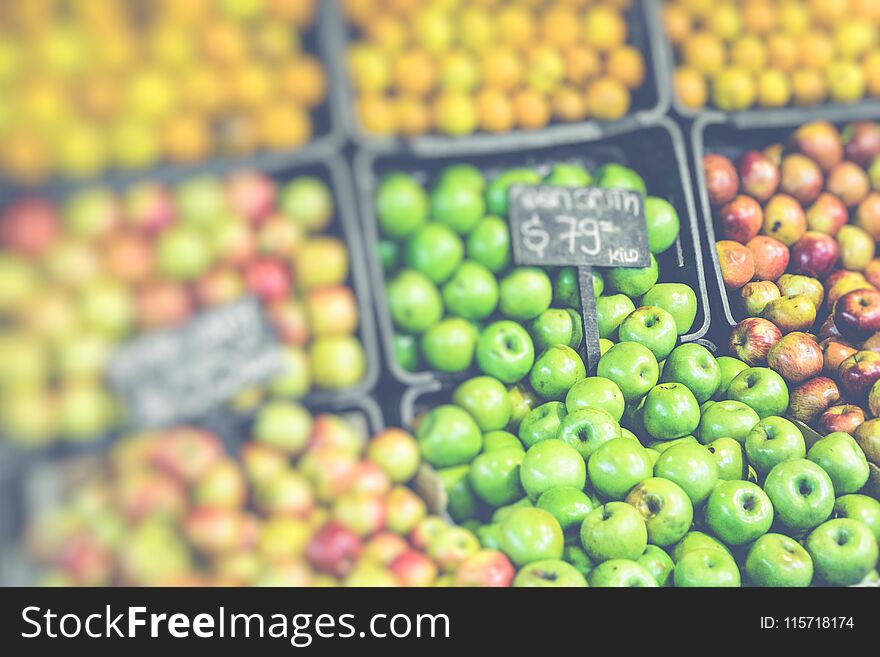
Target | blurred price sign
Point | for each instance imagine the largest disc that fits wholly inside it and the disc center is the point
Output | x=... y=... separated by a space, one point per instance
x=183 y=374
x=583 y=227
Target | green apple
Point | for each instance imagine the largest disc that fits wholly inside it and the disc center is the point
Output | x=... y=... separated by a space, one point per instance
x=541 y=423
x=588 y=428
x=678 y=299
x=738 y=512
x=611 y=310
x=525 y=293
x=495 y=475
x=551 y=463
x=566 y=288
x=522 y=400
x=618 y=465
x=556 y=370
x=549 y=572
x=622 y=573
x=774 y=440
x=695 y=367
x=401 y=205
x=472 y=292
x=501 y=513
x=706 y=568
x=596 y=392
x=575 y=555
x=567 y=504
x=663 y=224
x=564 y=174
x=414 y=301
x=696 y=540
x=632 y=281
x=661 y=446
x=657 y=562
x=529 y=535
x=505 y=351
x=435 y=250
x=283 y=425
x=462 y=502
x=841 y=457
x=489 y=244
x=486 y=399
x=458 y=206
x=449 y=345
x=843 y=550
x=775 y=560
x=498 y=189
x=616 y=176
x=557 y=326
x=862 y=508
x=406 y=352
x=801 y=492
x=727 y=419
x=760 y=388
x=670 y=411
x=729 y=367
x=490 y=536
x=614 y=531
x=448 y=435
x=692 y=467
x=462 y=175
x=652 y=327
x=665 y=507
x=493 y=440
x=632 y=367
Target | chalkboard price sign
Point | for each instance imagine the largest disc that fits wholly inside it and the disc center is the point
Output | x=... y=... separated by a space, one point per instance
x=583 y=227
x=184 y=373
x=558 y=226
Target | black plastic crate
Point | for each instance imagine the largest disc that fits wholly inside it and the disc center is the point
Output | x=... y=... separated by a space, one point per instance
x=657 y=152
x=333 y=170
x=649 y=102
x=732 y=135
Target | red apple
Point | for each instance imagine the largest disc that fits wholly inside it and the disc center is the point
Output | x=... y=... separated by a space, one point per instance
x=815 y=254
x=771 y=257
x=214 y=530
x=861 y=142
x=820 y=141
x=834 y=352
x=858 y=373
x=330 y=430
x=290 y=321
x=486 y=568
x=29 y=226
x=796 y=357
x=331 y=469
x=287 y=493
x=149 y=207
x=759 y=175
x=843 y=417
x=86 y=561
x=222 y=486
x=414 y=568
x=721 y=179
x=791 y=313
x=128 y=257
x=219 y=286
x=262 y=463
x=842 y=281
x=867 y=215
x=751 y=340
x=872 y=272
x=872 y=343
x=736 y=262
x=801 y=178
x=385 y=547
x=362 y=513
x=188 y=453
x=857 y=314
x=828 y=329
x=856 y=247
x=251 y=194
x=790 y=284
x=279 y=235
x=268 y=278
x=827 y=214
x=784 y=219
x=334 y=549
x=756 y=295
x=741 y=219
x=812 y=398
x=370 y=478
x=849 y=182
x=774 y=153
x=146 y=493
x=234 y=241
x=163 y=304
x=332 y=310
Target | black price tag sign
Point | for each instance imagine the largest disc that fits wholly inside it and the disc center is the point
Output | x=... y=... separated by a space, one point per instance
x=582 y=227
x=184 y=373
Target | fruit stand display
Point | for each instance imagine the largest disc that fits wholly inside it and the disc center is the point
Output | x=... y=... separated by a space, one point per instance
x=119 y=87
x=84 y=273
x=476 y=76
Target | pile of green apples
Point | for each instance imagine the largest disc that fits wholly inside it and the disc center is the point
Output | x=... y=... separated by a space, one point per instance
x=458 y=303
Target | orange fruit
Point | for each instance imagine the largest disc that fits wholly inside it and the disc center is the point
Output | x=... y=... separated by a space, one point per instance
x=206 y=90
x=531 y=109
x=866 y=9
x=81 y=149
x=181 y=12
x=774 y=88
x=748 y=52
x=607 y=99
x=368 y=68
x=676 y=23
x=459 y=70
x=404 y=7
x=794 y=17
x=359 y=12
x=725 y=21
x=414 y=72
x=627 y=65
x=704 y=52
x=186 y=138
x=238 y=134
x=283 y=126
x=274 y=41
x=582 y=63
x=515 y=26
x=846 y=81
x=828 y=12
x=816 y=49
x=26 y=155
x=808 y=87
x=455 y=113
x=854 y=38
x=413 y=116
x=733 y=89
x=502 y=69
x=871 y=71
x=476 y=29
x=782 y=52
x=433 y=30
x=559 y=26
x=224 y=42
x=604 y=28
x=376 y=115
x=698 y=8
x=388 y=32
x=690 y=87
x=133 y=144
x=304 y=81
x=759 y=16
x=301 y=13
x=252 y=85
x=494 y=111
x=545 y=68
x=568 y=104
